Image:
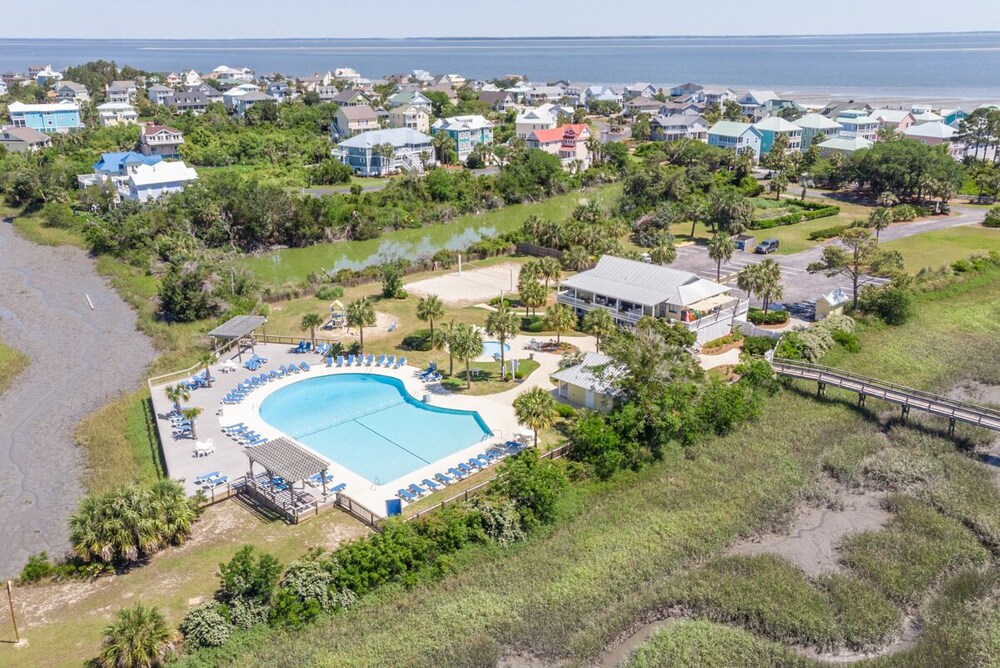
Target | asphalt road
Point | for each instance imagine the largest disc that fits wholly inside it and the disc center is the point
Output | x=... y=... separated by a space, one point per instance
x=801 y=288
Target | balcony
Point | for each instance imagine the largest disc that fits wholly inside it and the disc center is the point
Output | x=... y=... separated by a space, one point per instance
x=631 y=316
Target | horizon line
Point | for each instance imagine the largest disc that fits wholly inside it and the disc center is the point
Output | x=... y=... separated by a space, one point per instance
x=507 y=37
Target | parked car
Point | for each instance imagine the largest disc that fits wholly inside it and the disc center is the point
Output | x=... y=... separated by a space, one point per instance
x=766 y=246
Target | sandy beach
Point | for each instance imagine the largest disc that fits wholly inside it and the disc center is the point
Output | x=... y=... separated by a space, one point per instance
x=81 y=357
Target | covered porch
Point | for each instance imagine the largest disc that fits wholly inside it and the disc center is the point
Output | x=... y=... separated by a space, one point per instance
x=289 y=479
x=241 y=329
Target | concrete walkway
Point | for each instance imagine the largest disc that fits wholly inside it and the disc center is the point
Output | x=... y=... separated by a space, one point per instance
x=81 y=358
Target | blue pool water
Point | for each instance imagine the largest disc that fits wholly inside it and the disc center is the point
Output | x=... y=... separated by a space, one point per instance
x=370 y=424
x=492 y=348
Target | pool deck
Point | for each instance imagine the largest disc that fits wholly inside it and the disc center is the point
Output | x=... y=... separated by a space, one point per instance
x=229 y=459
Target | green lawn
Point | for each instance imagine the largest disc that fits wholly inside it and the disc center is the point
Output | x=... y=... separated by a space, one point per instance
x=12 y=362
x=295 y=264
x=942 y=247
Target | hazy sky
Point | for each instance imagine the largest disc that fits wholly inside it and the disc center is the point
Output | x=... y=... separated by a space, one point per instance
x=432 y=18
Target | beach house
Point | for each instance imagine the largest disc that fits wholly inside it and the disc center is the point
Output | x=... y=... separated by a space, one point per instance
x=72 y=91
x=533 y=119
x=351 y=120
x=773 y=126
x=467 y=132
x=740 y=137
x=568 y=142
x=111 y=114
x=121 y=92
x=753 y=101
x=381 y=152
x=589 y=384
x=159 y=94
x=161 y=140
x=844 y=145
x=893 y=119
x=243 y=103
x=412 y=117
x=23 y=140
x=678 y=126
x=60 y=118
x=816 y=125
x=150 y=182
x=630 y=290
x=858 y=123
x=195 y=102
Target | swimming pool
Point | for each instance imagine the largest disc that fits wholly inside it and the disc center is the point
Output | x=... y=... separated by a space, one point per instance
x=491 y=348
x=370 y=424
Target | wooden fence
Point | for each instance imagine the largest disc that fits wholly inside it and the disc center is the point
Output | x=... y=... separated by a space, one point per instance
x=539 y=251
x=359 y=511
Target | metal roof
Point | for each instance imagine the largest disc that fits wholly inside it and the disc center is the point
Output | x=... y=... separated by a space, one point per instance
x=643 y=283
x=238 y=326
x=286 y=458
x=594 y=373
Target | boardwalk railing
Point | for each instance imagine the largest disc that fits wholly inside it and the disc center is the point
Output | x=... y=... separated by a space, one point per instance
x=907 y=397
x=188 y=372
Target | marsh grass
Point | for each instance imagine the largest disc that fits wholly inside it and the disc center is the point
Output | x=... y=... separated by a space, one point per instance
x=12 y=363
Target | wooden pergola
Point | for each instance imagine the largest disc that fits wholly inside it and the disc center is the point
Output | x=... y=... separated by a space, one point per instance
x=285 y=459
x=238 y=327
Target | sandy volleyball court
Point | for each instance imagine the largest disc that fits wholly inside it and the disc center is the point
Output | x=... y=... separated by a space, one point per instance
x=471 y=286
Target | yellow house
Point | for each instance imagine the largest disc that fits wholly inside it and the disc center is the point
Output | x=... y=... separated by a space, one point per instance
x=832 y=303
x=587 y=384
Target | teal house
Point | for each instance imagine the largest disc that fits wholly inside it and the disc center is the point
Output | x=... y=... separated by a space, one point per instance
x=467 y=131
x=773 y=126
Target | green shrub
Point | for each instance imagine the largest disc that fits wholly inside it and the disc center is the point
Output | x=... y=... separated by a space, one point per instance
x=495 y=301
x=758 y=317
x=419 y=339
x=812 y=343
x=499 y=518
x=245 y=613
x=330 y=292
x=893 y=304
x=992 y=218
x=37 y=568
x=827 y=232
x=813 y=211
x=848 y=340
x=565 y=411
x=206 y=626
x=732 y=337
x=250 y=574
x=758 y=345
x=906 y=212
x=532 y=483
x=532 y=324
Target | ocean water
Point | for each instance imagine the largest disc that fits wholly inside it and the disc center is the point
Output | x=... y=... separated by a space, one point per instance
x=944 y=65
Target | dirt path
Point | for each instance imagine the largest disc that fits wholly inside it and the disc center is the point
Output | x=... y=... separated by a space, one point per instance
x=80 y=359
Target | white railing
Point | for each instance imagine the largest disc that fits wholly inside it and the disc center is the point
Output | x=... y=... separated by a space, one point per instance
x=563 y=298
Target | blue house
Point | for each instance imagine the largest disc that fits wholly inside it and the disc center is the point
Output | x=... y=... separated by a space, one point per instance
x=367 y=153
x=49 y=118
x=116 y=168
x=740 y=137
x=771 y=127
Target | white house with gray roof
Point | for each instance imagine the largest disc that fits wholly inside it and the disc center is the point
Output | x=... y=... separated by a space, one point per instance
x=589 y=384
x=631 y=290
x=367 y=154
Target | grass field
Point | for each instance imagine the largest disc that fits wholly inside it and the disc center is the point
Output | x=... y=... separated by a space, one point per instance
x=12 y=362
x=295 y=264
x=942 y=247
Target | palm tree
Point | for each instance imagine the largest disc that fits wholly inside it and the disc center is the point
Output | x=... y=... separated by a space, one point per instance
x=748 y=279
x=443 y=144
x=361 y=314
x=310 y=321
x=721 y=248
x=533 y=295
x=192 y=414
x=429 y=308
x=466 y=343
x=443 y=340
x=206 y=360
x=769 y=286
x=577 y=258
x=664 y=252
x=549 y=270
x=599 y=323
x=879 y=219
x=535 y=409
x=560 y=318
x=138 y=638
x=503 y=324
x=176 y=394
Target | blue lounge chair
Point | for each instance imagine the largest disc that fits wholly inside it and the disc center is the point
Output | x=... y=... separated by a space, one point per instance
x=208 y=476
x=340 y=361
x=360 y=360
x=338 y=488
x=443 y=479
x=260 y=440
x=483 y=460
x=264 y=378
x=392 y=326
x=464 y=468
x=274 y=375
x=231 y=427
x=406 y=496
x=474 y=463
x=457 y=473
x=417 y=489
x=391 y=361
x=304 y=366
x=401 y=362
x=370 y=359
x=380 y=361
x=318 y=478
x=434 y=377
x=430 y=484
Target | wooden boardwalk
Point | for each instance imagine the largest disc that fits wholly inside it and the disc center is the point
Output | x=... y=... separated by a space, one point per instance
x=906 y=397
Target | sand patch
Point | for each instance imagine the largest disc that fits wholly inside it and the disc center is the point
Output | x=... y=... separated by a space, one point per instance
x=471 y=286
x=811 y=541
x=976 y=392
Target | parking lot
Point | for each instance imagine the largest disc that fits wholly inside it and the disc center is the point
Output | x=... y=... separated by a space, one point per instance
x=801 y=289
